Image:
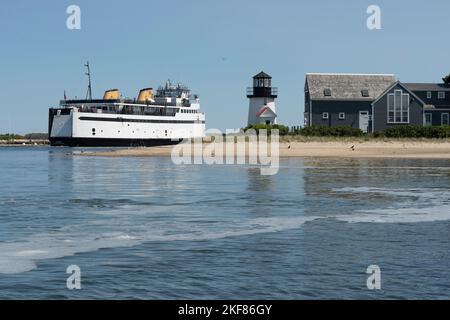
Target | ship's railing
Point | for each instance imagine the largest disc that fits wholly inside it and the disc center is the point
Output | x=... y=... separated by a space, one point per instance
x=78 y=103
x=167 y=112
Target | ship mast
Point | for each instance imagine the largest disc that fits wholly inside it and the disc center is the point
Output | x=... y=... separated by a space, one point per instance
x=88 y=73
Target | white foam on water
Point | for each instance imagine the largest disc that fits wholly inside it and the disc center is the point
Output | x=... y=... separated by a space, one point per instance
x=425 y=205
x=126 y=237
x=22 y=256
x=411 y=206
x=429 y=193
x=27 y=253
x=400 y=215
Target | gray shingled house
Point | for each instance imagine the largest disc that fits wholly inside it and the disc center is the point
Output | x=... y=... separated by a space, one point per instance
x=343 y=99
x=398 y=105
x=373 y=102
x=436 y=97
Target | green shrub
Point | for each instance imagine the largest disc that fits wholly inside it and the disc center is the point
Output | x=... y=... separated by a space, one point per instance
x=436 y=132
x=407 y=131
x=378 y=134
x=9 y=136
x=324 y=131
x=283 y=130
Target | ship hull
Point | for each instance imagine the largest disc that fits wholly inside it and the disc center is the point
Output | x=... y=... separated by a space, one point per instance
x=107 y=142
x=76 y=129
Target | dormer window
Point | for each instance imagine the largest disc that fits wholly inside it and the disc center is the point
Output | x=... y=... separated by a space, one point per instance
x=365 y=93
x=441 y=95
x=327 y=92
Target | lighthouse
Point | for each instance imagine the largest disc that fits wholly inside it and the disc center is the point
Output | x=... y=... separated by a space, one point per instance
x=262 y=100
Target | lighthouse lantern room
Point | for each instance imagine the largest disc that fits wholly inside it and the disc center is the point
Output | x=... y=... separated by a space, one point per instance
x=262 y=100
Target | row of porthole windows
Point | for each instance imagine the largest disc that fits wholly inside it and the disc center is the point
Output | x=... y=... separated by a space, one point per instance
x=93 y=131
x=188 y=111
x=326 y=116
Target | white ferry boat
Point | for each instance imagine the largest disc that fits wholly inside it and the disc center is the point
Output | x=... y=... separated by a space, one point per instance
x=164 y=118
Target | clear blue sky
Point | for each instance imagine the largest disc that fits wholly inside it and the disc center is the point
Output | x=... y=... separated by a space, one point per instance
x=215 y=47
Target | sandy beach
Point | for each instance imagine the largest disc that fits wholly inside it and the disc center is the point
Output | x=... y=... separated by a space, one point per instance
x=411 y=149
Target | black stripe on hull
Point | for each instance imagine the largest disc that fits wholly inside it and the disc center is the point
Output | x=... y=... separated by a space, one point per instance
x=99 y=142
x=140 y=120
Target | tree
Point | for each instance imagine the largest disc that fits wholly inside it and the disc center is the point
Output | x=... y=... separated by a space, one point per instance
x=446 y=79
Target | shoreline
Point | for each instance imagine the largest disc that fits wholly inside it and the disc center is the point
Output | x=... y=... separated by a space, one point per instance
x=348 y=148
x=23 y=143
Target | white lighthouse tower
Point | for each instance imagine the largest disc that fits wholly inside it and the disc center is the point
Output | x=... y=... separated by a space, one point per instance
x=262 y=100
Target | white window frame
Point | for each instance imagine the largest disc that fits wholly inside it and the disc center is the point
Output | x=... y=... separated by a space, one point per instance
x=442 y=119
x=403 y=97
x=325 y=116
x=441 y=95
x=425 y=119
x=429 y=95
x=341 y=115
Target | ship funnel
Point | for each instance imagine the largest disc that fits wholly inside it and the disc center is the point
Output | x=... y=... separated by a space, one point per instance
x=112 y=94
x=145 y=95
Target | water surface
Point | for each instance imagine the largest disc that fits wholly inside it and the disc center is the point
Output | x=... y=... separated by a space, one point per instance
x=143 y=228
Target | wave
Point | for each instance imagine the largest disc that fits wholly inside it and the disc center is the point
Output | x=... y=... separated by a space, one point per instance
x=400 y=215
x=430 y=193
x=22 y=255
x=425 y=205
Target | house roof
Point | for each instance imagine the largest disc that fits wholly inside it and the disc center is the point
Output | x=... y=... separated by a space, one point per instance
x=262 y=74
x=347 y=86
x=398 y=83
x=266 y=112
x=427 y=86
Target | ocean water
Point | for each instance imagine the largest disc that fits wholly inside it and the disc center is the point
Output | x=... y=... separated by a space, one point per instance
x=144 y=228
